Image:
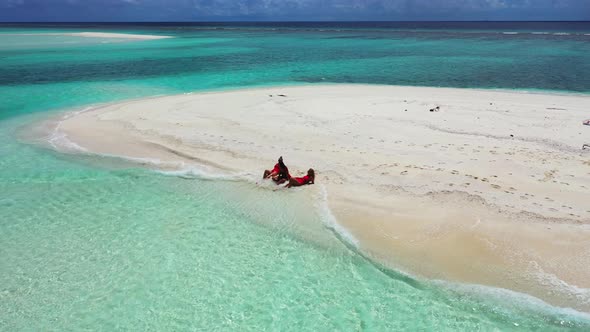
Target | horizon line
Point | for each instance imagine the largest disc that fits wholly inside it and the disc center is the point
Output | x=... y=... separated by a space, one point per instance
x=301 y=21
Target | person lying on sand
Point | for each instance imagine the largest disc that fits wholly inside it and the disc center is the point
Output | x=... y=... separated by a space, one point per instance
x=279 y=174
x=308 y=179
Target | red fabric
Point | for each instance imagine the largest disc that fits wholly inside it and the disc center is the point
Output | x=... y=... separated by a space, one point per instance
x=302 y=180
x=276 y=169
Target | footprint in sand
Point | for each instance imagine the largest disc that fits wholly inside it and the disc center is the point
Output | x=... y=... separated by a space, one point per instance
x=549 y=175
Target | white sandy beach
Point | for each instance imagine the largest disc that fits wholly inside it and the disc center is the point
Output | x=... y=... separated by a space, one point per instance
x=96 y=35
x=492 y=189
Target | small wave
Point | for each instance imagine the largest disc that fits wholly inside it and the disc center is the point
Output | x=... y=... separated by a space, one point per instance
x=194 y=172
x=540 y=33
x=558 y=285
x=330 y=220
x=510 y=33
x=561 y=34
x=515 y=300
x=157 y=163
x=59 y=140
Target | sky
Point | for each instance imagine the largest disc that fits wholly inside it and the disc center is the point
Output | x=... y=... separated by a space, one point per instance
x=291 y=10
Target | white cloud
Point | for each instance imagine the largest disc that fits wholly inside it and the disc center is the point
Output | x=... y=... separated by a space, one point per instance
x=11 y=3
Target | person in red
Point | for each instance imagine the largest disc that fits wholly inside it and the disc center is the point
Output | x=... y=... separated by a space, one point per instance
x=279 y=174
x=308 y=179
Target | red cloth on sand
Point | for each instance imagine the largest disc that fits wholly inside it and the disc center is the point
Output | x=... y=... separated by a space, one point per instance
x=303 y=180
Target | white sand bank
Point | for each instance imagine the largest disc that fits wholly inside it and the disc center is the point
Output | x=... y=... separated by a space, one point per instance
x=116 y=35
x=96 y=35
x=492 y=189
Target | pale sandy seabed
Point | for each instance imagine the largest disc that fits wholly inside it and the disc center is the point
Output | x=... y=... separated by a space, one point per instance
x=493 y=189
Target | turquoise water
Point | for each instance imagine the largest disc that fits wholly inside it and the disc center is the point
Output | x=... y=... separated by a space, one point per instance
x=88 y=243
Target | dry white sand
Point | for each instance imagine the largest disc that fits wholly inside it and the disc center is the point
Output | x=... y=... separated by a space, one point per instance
x=493 y=189
x=95 y=35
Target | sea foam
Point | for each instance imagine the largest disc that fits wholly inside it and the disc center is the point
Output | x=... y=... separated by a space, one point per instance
x=60 y=141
